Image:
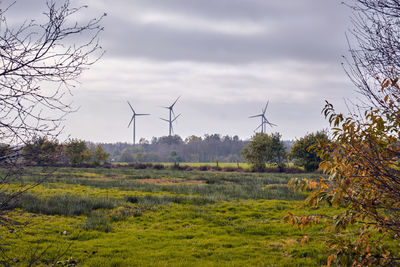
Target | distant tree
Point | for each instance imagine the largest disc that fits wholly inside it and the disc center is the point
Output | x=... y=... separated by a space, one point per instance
x=170 y=140
x=42 y=152
x=77 y=152
x=140 y=157
x=126 y=156
x=279 y=153
x=154 y=140
x=303 y=151
x=174 y=157
x=152 y=157
x=264 y=148
x=212 y=137
x=97 y=155
x=233 y=158
x=227 y=139
x=192 y=138
x=193 y=149
x=143 y=141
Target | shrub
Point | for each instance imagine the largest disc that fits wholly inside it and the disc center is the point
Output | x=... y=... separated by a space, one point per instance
x=204 y=168
x=263 y=149
x=158 y=166
x=97 y=221
x=302 y=151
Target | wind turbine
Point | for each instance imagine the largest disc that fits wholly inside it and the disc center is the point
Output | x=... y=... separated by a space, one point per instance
x=171 y=113
x=264 y=120
x=134 y=120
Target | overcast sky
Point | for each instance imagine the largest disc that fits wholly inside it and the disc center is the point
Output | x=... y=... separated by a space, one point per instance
x=226 y=58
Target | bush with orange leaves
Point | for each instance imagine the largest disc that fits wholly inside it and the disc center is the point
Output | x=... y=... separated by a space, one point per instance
x=362 y=164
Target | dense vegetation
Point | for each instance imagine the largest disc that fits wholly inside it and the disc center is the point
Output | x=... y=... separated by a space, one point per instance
x=44 y=152
x=209 y=148
x=265 y=148
x=146 y=217
x=303 y=151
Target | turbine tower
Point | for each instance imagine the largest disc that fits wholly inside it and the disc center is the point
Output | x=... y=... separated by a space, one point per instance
x=134 y=120
x=172 y=116
x=264 y=120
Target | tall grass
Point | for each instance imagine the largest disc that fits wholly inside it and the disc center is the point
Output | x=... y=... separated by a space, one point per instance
x=67 y=205
x=214 y=189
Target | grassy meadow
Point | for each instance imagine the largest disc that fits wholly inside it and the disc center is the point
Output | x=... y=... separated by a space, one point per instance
x=147 y=217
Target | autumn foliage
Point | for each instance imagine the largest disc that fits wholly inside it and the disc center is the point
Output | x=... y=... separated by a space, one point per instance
x=362 y=162
x=362 y=166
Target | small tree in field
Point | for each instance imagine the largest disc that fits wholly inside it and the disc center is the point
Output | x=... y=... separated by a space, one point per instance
x=303 y=151
x=264 y=148
x=98 y=156
x=77 y=152
x=42 y=152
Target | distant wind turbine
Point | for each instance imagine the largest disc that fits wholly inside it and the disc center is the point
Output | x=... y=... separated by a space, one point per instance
x=134 y=120
x=264 y=120
x=171 y=113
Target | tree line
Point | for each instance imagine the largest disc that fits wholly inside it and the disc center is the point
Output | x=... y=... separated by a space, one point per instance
x=269 y=148
x=262 y=149
x=209 y=148
x=42 y=151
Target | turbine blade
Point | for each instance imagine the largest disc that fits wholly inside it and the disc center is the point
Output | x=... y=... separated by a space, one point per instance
x=176 y=118
x=131 y=107
x=162 y=107
x=131 y=121
x=255 y=116
x=265 y=109
x=258 y=127
x=269 y=123
x=175 y=102
x=164 y=119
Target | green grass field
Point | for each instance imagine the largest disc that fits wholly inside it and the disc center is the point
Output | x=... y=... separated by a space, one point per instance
x=128 y=217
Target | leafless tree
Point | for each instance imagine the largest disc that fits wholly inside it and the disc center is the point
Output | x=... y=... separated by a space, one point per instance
x=39 y=64
x=374 y=43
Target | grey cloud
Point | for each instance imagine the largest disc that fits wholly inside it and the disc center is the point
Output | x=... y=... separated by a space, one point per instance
x=303 y=30
x=311 y=30
x=224 y=77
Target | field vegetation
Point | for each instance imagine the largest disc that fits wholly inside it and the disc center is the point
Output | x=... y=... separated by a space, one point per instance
x=144 y=214
x=147 y=217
